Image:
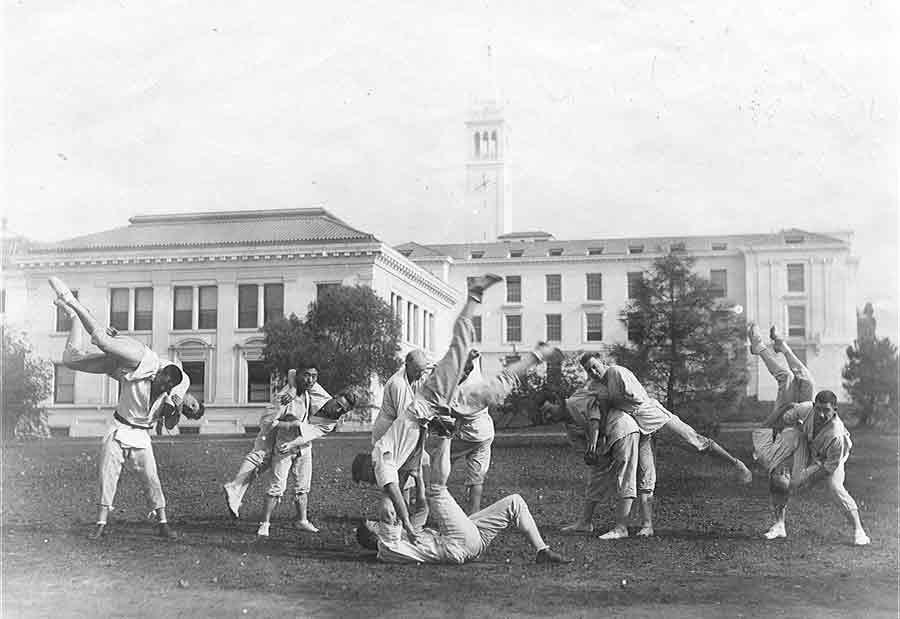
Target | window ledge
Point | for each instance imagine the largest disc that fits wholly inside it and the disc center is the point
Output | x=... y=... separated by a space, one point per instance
x=183 y=331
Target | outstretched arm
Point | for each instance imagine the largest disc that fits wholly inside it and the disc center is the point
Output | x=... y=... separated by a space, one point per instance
x=393 y=492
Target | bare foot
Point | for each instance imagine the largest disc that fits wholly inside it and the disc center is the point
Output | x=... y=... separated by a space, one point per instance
x=578 y=527
x=305 y=525
x=755 y=337
x=745 y=476
x=478 y=285
x=777 y=339
x=62 y=291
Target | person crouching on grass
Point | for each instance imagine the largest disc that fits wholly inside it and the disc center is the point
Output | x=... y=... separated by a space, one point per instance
x=819 y=455
x=150 y=390
x=802 y=442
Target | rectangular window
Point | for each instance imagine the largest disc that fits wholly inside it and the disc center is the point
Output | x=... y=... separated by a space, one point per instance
x=719 y=246
x=554 y=287
x=796 y=321
x=63 y=384
x=2 y=300
x=718 y=282
x=63 y=323
x=594 y=251
x=196 y=371
x=635 y=328
x=510 y=359
x=513 y=288
x=554 y=327
x=409 y=321
x=184 y=307
x=273 y=302
x=635 y=249
x=594 y=286
x=476 y=322
x=593 y=327
x=208 y=307
x=476 y=254
x=795 y=278
x=118 y=308
x=248 y=306
x=514 y=328
x=635 y=279
x=677 y=247
x=143 y=309
x=556 y=251
x=516 y=253
x=398 y=308
x=258 y=382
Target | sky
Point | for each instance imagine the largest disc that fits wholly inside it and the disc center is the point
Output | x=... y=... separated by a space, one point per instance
x=626 y=117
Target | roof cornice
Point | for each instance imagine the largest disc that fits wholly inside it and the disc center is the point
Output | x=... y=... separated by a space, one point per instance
x=390 y=259
x=139 y=258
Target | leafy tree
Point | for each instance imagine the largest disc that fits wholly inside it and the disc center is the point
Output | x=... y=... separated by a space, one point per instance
x=349 y=332
x=871 y=379
x=26 y=381
x=686 y=345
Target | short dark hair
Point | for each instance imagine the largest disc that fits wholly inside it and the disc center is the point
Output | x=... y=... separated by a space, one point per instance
x=588 y=356
x=173 y=374
x=826 y=397
x=307 y=364
x=363 y=469
x=366 y=537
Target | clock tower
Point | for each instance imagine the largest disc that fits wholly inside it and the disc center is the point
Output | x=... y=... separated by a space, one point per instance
x=488 y=205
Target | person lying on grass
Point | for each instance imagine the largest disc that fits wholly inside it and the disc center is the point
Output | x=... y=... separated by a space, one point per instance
x=455 y=537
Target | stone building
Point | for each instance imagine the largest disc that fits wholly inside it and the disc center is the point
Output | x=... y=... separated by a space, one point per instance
x=572 y=292
x=197 y=288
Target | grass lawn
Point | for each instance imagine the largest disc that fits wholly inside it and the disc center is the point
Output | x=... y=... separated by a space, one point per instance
x=707 y=559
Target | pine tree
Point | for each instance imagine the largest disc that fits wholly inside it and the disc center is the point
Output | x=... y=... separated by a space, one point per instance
x=871 y=379
x=686 y=345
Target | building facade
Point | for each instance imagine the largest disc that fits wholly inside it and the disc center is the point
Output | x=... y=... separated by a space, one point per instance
x=197 y=288
x=572 y=292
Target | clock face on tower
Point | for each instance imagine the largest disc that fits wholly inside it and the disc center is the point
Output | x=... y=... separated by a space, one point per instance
x=482 y=184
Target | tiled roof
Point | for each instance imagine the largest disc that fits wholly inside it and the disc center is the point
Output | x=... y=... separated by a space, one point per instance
x=611 y=246
x=309 y=225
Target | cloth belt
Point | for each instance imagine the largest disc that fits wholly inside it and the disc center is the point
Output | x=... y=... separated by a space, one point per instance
x=121 y=419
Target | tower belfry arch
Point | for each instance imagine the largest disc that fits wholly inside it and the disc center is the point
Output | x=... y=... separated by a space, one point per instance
x=487 y=195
